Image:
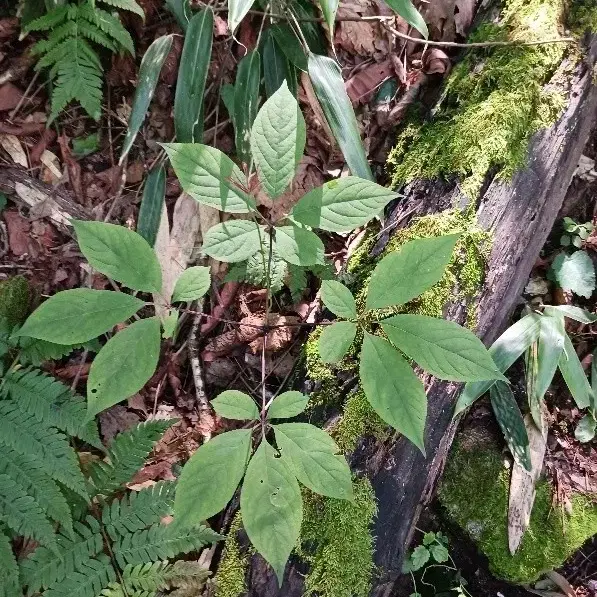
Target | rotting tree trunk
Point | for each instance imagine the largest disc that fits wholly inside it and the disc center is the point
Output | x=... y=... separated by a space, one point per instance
x=520 y=215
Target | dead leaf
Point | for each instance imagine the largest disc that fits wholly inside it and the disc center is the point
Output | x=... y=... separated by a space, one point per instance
x=116 y=420
x=220 y=26
x=361 y=86
x=135 y=173
x=562 y=583
x=14 y=148
x=8 y=27
x=18 y=233
x=51 y=174
x=73 y=168
x=449 y=18
x=436 y=61
x=10 y=96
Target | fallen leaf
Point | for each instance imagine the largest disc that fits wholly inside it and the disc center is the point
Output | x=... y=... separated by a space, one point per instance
x=116 y=420
x=361 y=86
x=14 y=148
x=51 y=174
x=18 y=232
x=449 y=18
x=10 y=96
x=436 y=61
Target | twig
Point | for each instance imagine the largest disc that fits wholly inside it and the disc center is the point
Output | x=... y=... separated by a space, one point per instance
x=24 y=97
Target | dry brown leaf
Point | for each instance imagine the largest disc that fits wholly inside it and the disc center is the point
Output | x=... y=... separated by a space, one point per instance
x=116 y=420
x=51 y=173
x=14 y=148
x=18 y=233
x=436 y=61
x=448 y=19
x=361 y=86
x=10 y=96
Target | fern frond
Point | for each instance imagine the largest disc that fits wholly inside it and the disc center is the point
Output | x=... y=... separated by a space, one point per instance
x=20 y=513
x=51 y=402
x=151 y=577
x=51 y=20
x=129 y=5
x=115 y=589
x=25 y=435
x=161 y=542
x=138 y=510
x=29 y=474
x=67 y=29
x=126 y=456
x=109 y=24
x=45 y=568
x=94 y=33
x=187 y=577
x=88 y=581
x=34 y=351
x=9 y=571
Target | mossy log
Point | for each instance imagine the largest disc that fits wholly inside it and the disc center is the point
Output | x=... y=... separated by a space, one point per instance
x=519 y=214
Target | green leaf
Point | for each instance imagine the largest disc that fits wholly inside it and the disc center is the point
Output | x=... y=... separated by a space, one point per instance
x=504 y=351
x=575 y=272
x=405 y=274
x=124 y=365
x=585 y=430
x=313 y=457
x=246 y=101
x=550 y=347
x=572 y=312
x=574 y=375
x=338 y=299
x=235 y=240
x=510 y=419
x=393 y=390
x=237 y=10
x=151 y=65
x=233 y=404
x=78 y=315
x=410 y=14
x=181 y=11
x=193 y=283
x=428 y=538
x=9 y=570
x=129 y=5
x=152 y=203
x=210 y=477
x=169 y=323
x=192 y=74
x=419 y=557
x=276 y=67
x=299 y=246
x=289 y=43
x=329 y=9
x=84 y=146
x=272 y=507
x=342 y=205
x=278 y=140
x=439 y=553
x=287 y=405
x=328 y=84
x=335 y=340
x=441 y=347
x=119 y=253
x=210 y=177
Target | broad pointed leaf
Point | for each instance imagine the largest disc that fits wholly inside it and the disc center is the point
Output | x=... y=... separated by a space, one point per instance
x=576 y=313
x=246 y=102
x=150 y=213
x=392 y=388
x=237 y=10
x=287 y=405
x=299 y=246
x=235 y=240
x=289 y=43
x=410 y=14
x=550 y=347
x=276 y=67
x=574 y=375
x=232 y=404
x=402 y=276
x=193 y=283
x=338 y=299
x=181 y=11
x=335 y=340
x=575 y=272
x=329 y=9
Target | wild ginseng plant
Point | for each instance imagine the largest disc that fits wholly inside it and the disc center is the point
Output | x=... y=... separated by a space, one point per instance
x=270 y=498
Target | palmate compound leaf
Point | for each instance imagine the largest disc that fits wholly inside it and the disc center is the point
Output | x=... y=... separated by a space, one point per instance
x=287 y=405
x=210 y=177
x=79 y=315
x=299 y=246
x=232 y=404
x=232 y=241
x=193 y=283
x=210 y=477
x=123 y=365
x=272 y=507
x=314 y=458
x=278 y=140
x=119 y=253
x=335 y=340
x=443 y=348
x=338 y=299
x=342 y=205
x=405 y=274
x=392 y=388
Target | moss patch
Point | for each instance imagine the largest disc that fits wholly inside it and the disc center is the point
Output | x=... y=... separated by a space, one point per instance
x=583 y=16
x=336 y=541
x=493 y=103
x=14 y=300
x=230 y=579
x=474 y=492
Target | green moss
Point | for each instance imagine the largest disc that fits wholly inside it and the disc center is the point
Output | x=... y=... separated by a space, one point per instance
x=14 y=300
x=230 y=579
x=583 y=16
x=336 y=541
x=493 y=103
x=474 y=492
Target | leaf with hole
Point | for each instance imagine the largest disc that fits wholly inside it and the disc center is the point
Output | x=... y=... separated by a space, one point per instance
x=335 y=340
x=246 y=102
x=338 y=299
x=232 y=241
x=232 y=404
x=271 y=507
x=410 y=14
x=392 y=388
x=278 y=140
x=123 y=365
x=313 y=457
x=405 y=274
x=287 y=405
x=152 y=203
x=79 y=315
x=210 y=477
x=193 y=283
x=119 y=253
x=441 y=347
x=210 y=177
x=299 y=246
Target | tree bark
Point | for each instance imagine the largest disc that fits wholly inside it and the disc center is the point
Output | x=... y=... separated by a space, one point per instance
x=520 y=215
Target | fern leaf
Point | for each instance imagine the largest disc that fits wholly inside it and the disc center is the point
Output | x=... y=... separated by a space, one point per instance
x=49 y=21
x=161 y=542
x=21 y=513
x=139 y=510
x=109 y=24
x=126 y=456
x=187 y=577
x=27 y=436
x=151 y=576
x=129 y=5
x=92 y=576
x=115 y=589
x=9 y=571
x=45 y=568
x=29 y=474
x=51 y=402
x=34 y=351
x=67 y=29
x=94 y=33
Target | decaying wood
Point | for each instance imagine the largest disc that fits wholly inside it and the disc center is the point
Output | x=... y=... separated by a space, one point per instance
x=520 y=216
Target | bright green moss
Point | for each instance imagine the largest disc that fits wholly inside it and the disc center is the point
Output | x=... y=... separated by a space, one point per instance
x=14 y=300
x=474 y=492
x=336 y=541
x=230 y=579
x=493 y=103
